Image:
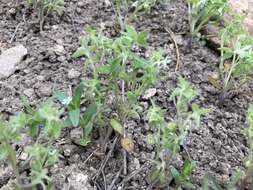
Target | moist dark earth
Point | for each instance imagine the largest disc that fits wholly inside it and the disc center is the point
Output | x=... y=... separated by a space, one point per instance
x=218 y=146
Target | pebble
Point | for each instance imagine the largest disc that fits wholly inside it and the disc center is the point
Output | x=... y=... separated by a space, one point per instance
x=73 y=74
x=9 y=60
x=29 y=92
x=45 y=90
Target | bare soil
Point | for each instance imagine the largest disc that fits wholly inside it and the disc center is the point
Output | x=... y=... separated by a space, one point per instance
x=218 y=147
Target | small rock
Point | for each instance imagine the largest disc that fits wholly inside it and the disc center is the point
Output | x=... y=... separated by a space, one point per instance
x=23 y=156
x=29 y=92
x=75 y=135
x=9 y=59
x=137 y=163
x=12 y=11
x=72 y=74
x=80 y=4
x=55 y=27
x=149 y=93
x=179 y=39
x=59 y=49
x=40 y=78
x=45 y=90
x=78 y=181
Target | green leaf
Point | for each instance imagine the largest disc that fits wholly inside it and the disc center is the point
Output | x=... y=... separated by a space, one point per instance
x=188 y=167
x=175 y=174
x=76 y=100
x=65 y=100
x=117 y=126
x=81 y=51
x=132 y=33
x=105 y=69
x=89 y=113
x=67 y=123
x=74 y=116
x=210 y=181
x=141 y=40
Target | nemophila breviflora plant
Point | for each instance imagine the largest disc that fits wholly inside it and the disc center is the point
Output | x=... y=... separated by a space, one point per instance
x=44 y=126
x=202 y=12
x=170 y=136
x=236 y=60
x=119 y=76
x=45 y=7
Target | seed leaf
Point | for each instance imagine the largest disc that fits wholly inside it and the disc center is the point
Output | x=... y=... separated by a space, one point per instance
x=117 y=126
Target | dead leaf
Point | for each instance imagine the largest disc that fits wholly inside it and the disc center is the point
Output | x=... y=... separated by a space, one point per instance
x=127 y=144
x=214 y=80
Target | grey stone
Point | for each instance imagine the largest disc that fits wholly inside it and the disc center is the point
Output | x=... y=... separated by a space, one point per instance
x=29 y=92
x=72 y=74
x=45 y=91
x=9 y=60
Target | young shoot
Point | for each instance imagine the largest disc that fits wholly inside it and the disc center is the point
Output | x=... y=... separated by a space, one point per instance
x=43 y=125
x=203 y=12
x=119 y=77
x=45 y=7
x=236 y=61
x=170 y=136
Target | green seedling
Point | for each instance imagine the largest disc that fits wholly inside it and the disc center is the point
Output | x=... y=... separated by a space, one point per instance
x=43 y=124
x=45 y=7
x=119 y=77
x=236 y=61
x=75 y=116
x=171 y=136
x=10 y=133
x=127 y=10
x=41 y=158
x=203 y=12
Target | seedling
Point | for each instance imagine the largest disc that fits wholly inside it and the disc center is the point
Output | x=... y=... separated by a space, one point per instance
x=75 y=116
x=236 y=60
x=43 y=124
x=128 y=10
x=40 y=158
x=45 y=7
x=171 y=136
x=119 y=77
x=203 y=12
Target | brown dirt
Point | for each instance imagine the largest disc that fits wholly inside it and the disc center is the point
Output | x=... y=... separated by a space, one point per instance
x=218 y=146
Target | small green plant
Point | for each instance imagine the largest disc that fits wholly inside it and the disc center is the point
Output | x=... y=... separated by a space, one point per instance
x=75 y=116
x=44 y=125
x=45 y=7
x=203 y=12
x=236 y=61
x=119 y=77
x=127 y=10
x=171 y=136
x=41 y=157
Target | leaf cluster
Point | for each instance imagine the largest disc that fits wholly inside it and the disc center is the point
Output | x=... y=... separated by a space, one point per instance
x=171 y=135
x=45 y=7
x=119 y=75
x=44 y=126
x=236 y=60
x=203 y=12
